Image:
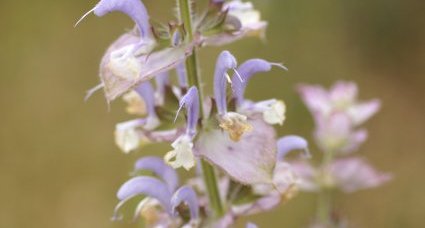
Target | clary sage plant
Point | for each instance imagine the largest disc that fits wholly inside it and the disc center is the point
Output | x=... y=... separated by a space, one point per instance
x=227 y=139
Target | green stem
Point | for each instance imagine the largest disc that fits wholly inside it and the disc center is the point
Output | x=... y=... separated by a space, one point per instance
x=208 y=172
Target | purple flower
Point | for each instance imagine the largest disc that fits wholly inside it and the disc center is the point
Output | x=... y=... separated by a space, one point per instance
x=234 y=123
x=273 y=110
x=182 y=153
x=159 y=193
x=135 y=9
x=159 y=168
x=186 y=195
x=246 y=70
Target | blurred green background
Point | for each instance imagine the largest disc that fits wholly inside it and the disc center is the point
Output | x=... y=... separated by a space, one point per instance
x=59 y=166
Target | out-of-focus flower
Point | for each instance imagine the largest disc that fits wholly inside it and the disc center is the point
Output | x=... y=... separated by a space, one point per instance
x=342 y=97
x=348 y=175
x=336 y=133
x=251 y=225
x=353 y=174
x=337 y=113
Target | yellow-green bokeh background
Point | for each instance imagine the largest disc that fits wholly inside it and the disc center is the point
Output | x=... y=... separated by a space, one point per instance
x=60 y=168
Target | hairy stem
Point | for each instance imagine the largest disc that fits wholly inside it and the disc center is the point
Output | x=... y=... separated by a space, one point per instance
x=194 y=80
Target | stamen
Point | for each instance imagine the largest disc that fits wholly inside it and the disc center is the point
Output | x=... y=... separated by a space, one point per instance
x=91 y=91
x=229 y=80
x=237 y=73
x=85 y=15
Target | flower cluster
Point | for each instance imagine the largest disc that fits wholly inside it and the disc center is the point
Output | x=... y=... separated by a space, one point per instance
x=230 y=141
x=337 y=115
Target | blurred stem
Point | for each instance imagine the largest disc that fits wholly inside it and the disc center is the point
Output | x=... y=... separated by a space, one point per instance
x=324 y=206
x=324 y=201
x=208 y=172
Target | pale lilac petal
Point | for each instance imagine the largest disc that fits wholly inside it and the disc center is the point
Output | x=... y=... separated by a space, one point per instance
x=332 y=132
x=182 y=75
x=284 y=180
x=148 y=186
x=355 y=140
x=316 y=98
x=135 y=9
x=343 y=92
x=225 y=62
x=191 y=101
x=146 y=66
x=159 y=168
x=247 y=70
x=188 y=196
x=146 y=91
x=250 y=160
x=289 y=143
x=354 y=174
x=363 y=111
